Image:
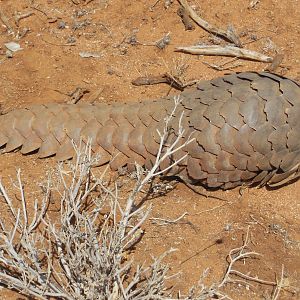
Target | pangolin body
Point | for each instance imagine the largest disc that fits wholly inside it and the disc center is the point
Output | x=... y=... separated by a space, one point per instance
x=245 y=129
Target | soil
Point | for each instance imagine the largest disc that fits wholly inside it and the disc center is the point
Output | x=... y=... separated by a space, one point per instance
x=48 y=68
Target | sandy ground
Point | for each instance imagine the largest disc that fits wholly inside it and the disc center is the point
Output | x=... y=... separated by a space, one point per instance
x=48 y=68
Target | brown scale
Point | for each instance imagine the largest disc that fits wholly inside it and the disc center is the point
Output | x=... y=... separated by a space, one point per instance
x=290 y=91
x=207 y=139
x=245 y=125
x=264 y=162
x=220 y=94
x=104 y=137
x=293 y=115
x=219 y=82
x=226 y=137
x=270 y=92
x=252 y=110
x=135 y=141
x=56 y=126
x=213 y=115
x=49 y=146
x=143 y=115
x=278 y=138
x=293 y=139
x=242 y=140
x=130 y=112
x=65 y=150
x=195 y=121
x=230 y=112
x=250 y=76
x=277 y=157
x=259 y=139
x=223 y=161
x=275 y=110
x=239 y=91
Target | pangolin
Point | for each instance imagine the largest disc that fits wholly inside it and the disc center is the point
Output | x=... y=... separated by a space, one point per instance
x=245 y=129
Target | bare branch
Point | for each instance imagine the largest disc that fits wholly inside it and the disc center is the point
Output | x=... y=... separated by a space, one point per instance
x=225 y=51
x=228 y=34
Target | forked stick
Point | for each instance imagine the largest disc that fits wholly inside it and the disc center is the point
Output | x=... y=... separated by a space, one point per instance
x=228 y=34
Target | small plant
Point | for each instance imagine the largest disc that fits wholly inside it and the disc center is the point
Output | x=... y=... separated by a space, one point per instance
x=81 y=254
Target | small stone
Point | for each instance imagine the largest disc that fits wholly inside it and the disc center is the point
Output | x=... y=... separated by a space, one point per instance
x=9 y=54
x=61 y=25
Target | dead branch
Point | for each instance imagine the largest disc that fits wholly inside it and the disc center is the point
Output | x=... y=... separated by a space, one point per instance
x=229 y=35
x=253 y=4
x=225 y=51
x=279 y=286
x=237 y=255
x=167 y=78
x=18 y=16
x=77 y=95
x=160 y=44
x=6 y=22
x=224 y=66
x=275 y=63
x=183 y=14
x=82 y=255
x=87 y=2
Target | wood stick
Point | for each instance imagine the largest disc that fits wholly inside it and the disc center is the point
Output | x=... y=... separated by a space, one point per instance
x=19 y=16
x=187 y=22
x=275 y=63
x=167 y=78
x=225 y=51
x=5 y=21
x=228 y=34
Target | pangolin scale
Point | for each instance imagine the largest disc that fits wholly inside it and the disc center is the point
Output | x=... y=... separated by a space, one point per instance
x=245 y=129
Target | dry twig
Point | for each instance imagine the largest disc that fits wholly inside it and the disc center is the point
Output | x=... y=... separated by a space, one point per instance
x=237 y=255
x=183 y=14
x=161 y=43
x=225 y=51
x=253 y=4
x=275 y=63
x=77 y=95
x=229 y=34
x=224 y=66
x=162 y=222
x=167 y=78
x=83 y=256
x=18 y=16
x=6 y=22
